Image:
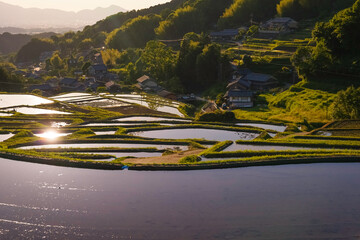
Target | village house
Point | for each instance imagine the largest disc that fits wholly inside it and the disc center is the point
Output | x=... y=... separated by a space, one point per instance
x=97 y=70
x=112 y=87
x=244 y=79
x=71 y=84
x=167 y=94
x=147 y=84
x=260 y=82
x=278 y=26
x=46 y=89
x=91 y=83
x=237 y=98
x=97 y=59
x=72 y=62
x=209 y=107
x=224 y=35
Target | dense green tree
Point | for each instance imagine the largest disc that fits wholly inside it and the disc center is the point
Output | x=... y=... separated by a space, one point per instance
x=337 y=48
x=10 y=82
x=301 y=9
x=242 y=11
x=347 y=104
x=194 y=16
x=136 y=33
x=208 y=65
x=159 y=61
x=200 y=63
x=85 y=44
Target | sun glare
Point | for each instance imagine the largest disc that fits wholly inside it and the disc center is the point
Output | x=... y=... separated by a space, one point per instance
x=49 y=134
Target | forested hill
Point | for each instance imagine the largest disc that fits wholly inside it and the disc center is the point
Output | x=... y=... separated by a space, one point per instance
x=174 y=19
x=10 y=43
x=337 y=49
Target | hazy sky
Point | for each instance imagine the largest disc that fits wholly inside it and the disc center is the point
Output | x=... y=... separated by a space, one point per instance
x=76 y=5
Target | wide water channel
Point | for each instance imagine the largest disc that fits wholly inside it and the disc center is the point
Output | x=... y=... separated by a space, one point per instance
x=318 y=201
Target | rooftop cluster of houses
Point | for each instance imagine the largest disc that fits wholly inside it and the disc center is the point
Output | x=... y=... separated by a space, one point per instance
x=97 y=76
x=242 y=87
x=273 y=26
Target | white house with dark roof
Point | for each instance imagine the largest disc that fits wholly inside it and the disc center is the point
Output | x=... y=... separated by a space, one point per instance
x=238 y=98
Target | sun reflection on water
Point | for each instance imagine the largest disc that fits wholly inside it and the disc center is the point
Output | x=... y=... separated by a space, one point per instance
x=51 y=134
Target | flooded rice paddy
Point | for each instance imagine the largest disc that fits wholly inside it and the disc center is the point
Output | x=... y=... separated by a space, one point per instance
x=51 y=134
x=278 y=128
x=107 y=100
x=243 y=147
x=102 y=145
x=4 y=137
x=13 y=100
x=150 y=119
x=36 y=111
x=317 y=201
x=198 y=133
x=111 y=124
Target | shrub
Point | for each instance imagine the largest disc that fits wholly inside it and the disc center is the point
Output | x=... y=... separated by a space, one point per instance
x=187 y=109
x=120 y=131
x=84 y=131
x=217 y=116
x=264 y=136
x=190 y=159
x=23 y=134
x=195 y=145
x=292 y=128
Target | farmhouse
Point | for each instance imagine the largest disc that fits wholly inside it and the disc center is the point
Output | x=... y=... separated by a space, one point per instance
x=97 y=70
x=224 y=35
x=147 y=84
x=71 y=84
x=278 y=25
x=259 y=81
x=112 y=87
x=237 y=98
x=167 y=94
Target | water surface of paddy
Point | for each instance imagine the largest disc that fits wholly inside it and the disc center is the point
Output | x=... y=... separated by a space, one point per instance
x=102 y=145
x=277 y=128
x=154 y=106
x=240 y=147
x=4 y=137
x=199 y=133
x=150 y=119
x=317 y=201
x=105 y=132
x=36 y=111
x=51 y=135
x=12 y=100
x=72 y=95
x=111 y=124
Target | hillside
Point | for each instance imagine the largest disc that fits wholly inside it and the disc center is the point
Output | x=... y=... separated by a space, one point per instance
x=15 y=16
x=321 y=56
x=11 y=43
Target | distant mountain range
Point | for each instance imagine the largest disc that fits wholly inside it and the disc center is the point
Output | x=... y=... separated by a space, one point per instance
x=15 y=16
